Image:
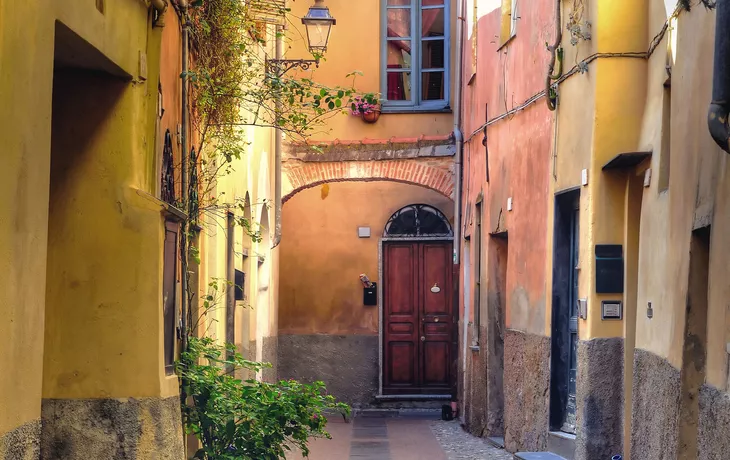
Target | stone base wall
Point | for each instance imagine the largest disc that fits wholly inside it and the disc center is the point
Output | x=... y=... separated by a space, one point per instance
x=347 y=364
x=655 y=414
x=22 y=443
x=269 y=355
x=599 y=397
x=526 y=390
x=714 y=424
x=477 y=405
x=119 y=429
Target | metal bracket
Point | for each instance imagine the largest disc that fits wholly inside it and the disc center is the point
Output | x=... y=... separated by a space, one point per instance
x=279 y=67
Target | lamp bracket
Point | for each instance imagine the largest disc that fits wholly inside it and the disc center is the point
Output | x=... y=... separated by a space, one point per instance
x=279 y=67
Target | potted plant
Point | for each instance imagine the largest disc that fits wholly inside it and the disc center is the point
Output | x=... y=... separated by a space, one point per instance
x=366 y=108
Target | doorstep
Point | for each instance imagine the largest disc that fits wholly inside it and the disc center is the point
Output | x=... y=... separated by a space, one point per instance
x=538 y=456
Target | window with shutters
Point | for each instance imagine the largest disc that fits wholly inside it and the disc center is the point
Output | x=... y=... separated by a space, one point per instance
x=169 y=293
x=415 y=55
x=270 y=11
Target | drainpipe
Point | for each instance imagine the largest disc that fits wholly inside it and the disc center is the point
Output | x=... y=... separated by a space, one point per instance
x=277 y=151
x=717 y=117
x=184 y=174
x=459 y=140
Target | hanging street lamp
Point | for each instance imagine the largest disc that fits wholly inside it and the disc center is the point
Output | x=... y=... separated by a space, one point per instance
x=318 y=21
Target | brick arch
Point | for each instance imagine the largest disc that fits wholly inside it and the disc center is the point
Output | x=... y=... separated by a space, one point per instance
x=433 y=174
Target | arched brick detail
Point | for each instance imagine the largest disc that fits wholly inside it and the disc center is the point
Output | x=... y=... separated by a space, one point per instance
x=435 y=174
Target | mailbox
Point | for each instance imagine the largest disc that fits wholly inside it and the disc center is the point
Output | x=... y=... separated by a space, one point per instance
x=370 y=294
x=609 y=269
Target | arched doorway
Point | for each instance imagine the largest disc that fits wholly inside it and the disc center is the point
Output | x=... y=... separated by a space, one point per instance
x=263 y=296
x=417 y=317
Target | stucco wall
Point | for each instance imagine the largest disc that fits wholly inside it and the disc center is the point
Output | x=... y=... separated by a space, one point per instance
x=518 y=153
x=326 y=332
x=322 y=256
x=354 y=45
x=27 y=32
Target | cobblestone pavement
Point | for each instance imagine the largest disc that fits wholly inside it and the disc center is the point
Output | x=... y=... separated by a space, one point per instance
x=405 y=437
x=460 y=445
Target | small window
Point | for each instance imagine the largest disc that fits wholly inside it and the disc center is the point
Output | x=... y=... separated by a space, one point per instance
x=240 y=282
x=169 y=293
x=509 y=19
x=415 y=54
x=513 y=19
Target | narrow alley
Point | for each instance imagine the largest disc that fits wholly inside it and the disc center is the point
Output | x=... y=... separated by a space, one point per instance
x=401 y=436
x=223 y=220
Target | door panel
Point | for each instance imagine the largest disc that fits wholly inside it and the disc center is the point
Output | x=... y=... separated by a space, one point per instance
x=436 y=364
x=419 y=328
x=436 y=318
x=402 y=360
x=401 y=316
x=570 y=410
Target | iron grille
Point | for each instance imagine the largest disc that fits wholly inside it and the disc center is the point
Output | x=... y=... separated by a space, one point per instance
x=167 y=191
x=418 y=220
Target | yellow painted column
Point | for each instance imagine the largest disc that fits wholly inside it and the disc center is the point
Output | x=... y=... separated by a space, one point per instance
x=26 y=57
x=620 y=94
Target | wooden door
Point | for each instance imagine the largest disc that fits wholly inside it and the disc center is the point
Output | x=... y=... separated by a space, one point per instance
x=418 y=329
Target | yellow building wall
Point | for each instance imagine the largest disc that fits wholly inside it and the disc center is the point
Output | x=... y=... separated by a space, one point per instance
x=246 y=189
x=94 y=329
x=354 y=45
x=595 y=122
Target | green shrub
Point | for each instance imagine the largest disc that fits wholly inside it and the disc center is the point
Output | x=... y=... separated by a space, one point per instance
x=247 y=419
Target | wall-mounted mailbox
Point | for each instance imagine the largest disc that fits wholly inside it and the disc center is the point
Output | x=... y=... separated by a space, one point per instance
x=370 y=295
x=609 y=269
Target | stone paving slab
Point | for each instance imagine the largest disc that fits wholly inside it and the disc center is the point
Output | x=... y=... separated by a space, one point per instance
x=382 y=437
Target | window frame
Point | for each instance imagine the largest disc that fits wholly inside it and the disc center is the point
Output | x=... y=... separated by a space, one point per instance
x=170 y=267
x=416 y=103
x=513 y=19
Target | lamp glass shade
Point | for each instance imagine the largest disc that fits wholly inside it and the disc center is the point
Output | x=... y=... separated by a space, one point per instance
x=318 y=23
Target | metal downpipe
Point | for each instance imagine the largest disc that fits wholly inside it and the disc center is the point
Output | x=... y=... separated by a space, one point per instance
x=184 y=173
x=277 y=153
x=459 y=140
x=717 y=116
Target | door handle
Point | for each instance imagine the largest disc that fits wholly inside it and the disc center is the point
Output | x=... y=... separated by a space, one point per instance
x=423 y=338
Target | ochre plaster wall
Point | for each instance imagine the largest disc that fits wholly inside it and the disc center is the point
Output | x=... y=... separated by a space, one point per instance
x=82 y=232
x=27 y=47
x=354 y=45
x=322 y=256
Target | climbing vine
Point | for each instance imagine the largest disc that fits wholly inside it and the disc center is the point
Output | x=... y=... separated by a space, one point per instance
x=232 y=89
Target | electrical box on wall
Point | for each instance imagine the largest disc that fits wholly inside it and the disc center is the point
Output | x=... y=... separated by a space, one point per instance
x=611 y=309
x=609 y=269
x=370 y=295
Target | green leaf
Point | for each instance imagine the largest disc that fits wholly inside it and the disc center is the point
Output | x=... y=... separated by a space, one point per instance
x=230 y=428
x=323 y=92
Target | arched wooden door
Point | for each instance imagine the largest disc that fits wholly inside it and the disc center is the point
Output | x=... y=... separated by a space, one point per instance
x=418 y=309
